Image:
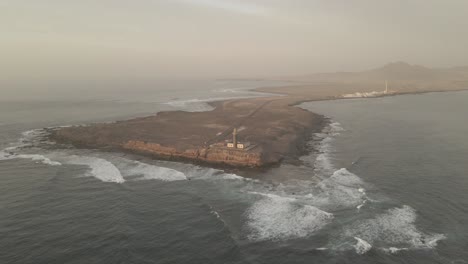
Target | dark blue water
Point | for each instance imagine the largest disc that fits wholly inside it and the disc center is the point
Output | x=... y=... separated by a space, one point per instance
x=387 y=183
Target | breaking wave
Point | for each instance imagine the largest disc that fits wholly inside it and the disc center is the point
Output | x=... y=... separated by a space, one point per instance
x=5 y=156
x=230 y=176
x=27 y=139
x=201 y=105
x=106 y=171
x=394 y=230
x=99 y=168
x=34 y=157
x=362 y=246
x=342 y=189
x=277 y=218
x=294 y=210
x=201 y=173
x=152 y=172
x=323 y=164
x=192 y=105
x=39 y=158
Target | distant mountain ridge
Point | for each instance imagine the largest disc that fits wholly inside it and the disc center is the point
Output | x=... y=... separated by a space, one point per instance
x=395 y=71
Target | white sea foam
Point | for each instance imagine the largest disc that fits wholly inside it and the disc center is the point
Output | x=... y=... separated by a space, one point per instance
x=278 y=218
x=342 y=189
x=321 y=249
x=395 y=228
x=152 y=172
x=361 y=205
x=38 y=158
x=192 y=105
x=229 y=176
x=35 y=157
x=323 y=162
x=27 y=139
x=336 y=128
x=216 y=214
x=323 y=165
x=29 y=136
x=5 y=156
x=394 y=250
x=213 y=174
x=200 y=105
x=99 y=168
x=362 y=246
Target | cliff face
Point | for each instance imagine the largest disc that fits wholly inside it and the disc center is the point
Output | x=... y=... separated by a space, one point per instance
x=212 y=155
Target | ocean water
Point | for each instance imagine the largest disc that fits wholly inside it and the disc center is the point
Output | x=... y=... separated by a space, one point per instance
x=387 y=182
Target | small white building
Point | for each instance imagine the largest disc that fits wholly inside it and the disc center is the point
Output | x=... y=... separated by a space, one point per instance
x=236 y=144
x=243 y=145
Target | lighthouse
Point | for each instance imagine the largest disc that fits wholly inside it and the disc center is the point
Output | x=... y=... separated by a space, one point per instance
x=234 y=143
x=234 y=137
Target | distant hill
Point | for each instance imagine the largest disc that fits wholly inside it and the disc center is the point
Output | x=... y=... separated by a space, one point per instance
x=396 y=71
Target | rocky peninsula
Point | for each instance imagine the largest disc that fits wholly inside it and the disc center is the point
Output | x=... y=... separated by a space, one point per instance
x=270 y=129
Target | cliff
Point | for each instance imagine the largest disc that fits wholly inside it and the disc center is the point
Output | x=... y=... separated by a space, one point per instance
x=210 y=155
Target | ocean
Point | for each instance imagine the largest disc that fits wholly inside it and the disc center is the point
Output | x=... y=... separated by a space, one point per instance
x=386 y=182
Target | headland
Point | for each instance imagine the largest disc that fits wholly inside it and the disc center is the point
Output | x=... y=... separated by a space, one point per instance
x=269 y=129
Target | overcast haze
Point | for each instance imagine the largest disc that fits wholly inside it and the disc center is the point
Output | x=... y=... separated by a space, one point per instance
x=45 y=40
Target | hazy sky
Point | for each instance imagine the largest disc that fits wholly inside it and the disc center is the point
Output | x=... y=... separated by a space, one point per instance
x=144 y=39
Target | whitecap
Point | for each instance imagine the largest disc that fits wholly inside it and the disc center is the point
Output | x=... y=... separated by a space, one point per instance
x=279 y=218
x=362 y=246
x=361 y=205
x=323 y=165
x=99 y=168
x=395 y=228
x=5 y=156
x=152 y=172
x=34 y=157
x=216 y=214
x=201 y=105
x=192 y=105
x=323 y=162
x=201 y=173
x=394 y=250
x=229 y=176
x=321 y=249
x=342 y=189
x=27 y=139
x=38 y=158
x=335 y=128
x=29 y=136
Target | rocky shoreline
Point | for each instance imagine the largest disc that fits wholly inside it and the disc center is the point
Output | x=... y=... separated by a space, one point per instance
x=277 y=131
x=275 y=126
